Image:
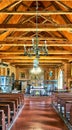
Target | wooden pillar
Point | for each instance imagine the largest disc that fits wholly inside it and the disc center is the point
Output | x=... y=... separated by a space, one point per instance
x=67 y=72
x=45 y=74
x=56 y=73
x=17 y=73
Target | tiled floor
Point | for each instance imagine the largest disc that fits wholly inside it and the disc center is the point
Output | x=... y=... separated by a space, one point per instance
x=38 y=114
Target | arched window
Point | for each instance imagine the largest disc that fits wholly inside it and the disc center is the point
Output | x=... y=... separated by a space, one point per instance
x=60 y=79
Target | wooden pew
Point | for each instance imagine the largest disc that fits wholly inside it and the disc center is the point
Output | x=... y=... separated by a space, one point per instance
x=14 y=102
x=11 y=99
x=12 y=107
x=2 y=120
x=64 y=101
x=54 y=99
x=6 y=109
x=71 y=115
x=65 y=105
x=21 y=95
x=58 y=97
x=18 y=96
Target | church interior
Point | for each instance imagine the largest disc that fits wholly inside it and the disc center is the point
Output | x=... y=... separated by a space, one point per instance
x=35 y=64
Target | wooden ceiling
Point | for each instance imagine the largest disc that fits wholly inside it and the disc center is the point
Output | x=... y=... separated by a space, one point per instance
x=18 y=27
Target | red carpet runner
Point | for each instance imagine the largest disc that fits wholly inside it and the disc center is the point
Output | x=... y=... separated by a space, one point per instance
x=38 y=114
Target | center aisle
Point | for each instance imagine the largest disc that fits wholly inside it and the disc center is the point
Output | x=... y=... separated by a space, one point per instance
x=38 y=114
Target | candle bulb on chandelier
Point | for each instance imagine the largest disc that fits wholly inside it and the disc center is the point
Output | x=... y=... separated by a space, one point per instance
x=33 y=41
x=45 y=44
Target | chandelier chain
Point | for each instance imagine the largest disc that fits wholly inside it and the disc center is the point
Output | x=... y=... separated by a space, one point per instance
x=36 y=50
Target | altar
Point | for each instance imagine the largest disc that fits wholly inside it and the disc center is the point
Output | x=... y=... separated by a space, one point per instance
x=37 y=91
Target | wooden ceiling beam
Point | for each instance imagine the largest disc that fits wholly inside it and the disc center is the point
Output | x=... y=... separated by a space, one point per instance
x=11 y=5
x=41 y=27
x=39 y=38
x=44 y=0
x=41 y=65
x=22 y=52
x=14 y=61
x=49 y=43
x=33 y=57
x=46 y=13
x=31 y=63
x=62 y=5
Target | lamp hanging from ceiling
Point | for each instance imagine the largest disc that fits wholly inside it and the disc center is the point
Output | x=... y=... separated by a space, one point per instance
x=35 y=49
x=36 y=69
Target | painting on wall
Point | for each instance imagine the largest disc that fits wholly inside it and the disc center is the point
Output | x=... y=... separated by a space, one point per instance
x=22 y=75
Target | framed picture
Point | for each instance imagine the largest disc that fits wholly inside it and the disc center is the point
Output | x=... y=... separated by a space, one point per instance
x=22 y=75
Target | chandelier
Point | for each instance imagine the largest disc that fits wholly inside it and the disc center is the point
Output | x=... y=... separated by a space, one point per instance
x=35 y=49
x=36 y=69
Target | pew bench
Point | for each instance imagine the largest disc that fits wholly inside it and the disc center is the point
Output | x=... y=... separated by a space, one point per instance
x=10 y=104
x=12 y=107
x=2 y=120
x=63 y=103
x=71 y=115
x=10 y=99
x=20 y=96
x=6 y=109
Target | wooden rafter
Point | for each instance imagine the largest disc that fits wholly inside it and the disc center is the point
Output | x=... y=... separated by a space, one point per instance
x=30 y=38
x=11 y=5
x=50 y=43
x=63 y=5
x=41 y=57
x=55 y=52
x=14 y=61
x=44 y=0
x=45 y=13
x=41 y=27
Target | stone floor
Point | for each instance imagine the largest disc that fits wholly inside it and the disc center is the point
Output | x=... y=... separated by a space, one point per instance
x=38 y=114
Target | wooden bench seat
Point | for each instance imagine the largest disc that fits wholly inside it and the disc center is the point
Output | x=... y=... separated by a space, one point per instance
x=10 y=99
x=16 y=95
x=6 y=109
x=2 y=120
x=71 y=115
x=12 y=107
x=57 y=98
x=11 y=104
x=63 y=104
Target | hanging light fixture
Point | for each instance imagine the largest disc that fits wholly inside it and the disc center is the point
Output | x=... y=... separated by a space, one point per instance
x=36 y=69
x=35 y=49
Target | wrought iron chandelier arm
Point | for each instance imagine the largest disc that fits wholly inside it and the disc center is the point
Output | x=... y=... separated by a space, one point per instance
x=36 y=50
